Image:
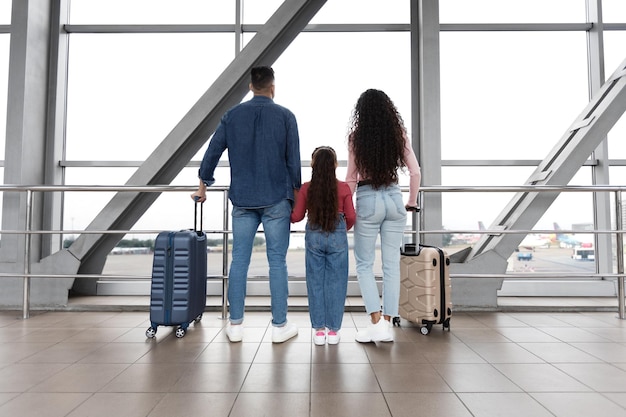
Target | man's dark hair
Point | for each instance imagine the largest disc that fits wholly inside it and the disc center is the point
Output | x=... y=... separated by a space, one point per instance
x=261 y=77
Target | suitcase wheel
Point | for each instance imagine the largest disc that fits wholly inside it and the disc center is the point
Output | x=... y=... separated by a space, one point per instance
x=197 y=319
x=151 y=332
x=425 y=329
x=446 y=324
x=180 y=332
x=396 y=321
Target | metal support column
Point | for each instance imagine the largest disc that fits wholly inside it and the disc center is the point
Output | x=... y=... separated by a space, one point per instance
x=619 y=248
x=27 y=240
x=225 y=260
x=426 y=107
x=600 y=171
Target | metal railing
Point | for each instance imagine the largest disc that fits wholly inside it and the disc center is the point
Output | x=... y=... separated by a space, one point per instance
x=31 y=191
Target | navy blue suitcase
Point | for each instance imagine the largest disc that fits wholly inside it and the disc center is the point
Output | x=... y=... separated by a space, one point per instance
x=179 y=275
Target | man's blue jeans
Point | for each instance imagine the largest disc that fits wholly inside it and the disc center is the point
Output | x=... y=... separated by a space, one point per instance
x=276 y=226
x=381 y=212
x=327 y=275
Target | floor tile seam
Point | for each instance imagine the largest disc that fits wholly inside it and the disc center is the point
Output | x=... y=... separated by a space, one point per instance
x=76 y=407
x=492 y=366
x=603 y=394
x=541 y=404
x=591 y=389
x=572 y=344
x=249 y=368
x=61 y=369
x=439 y=374
x=485 y=358
x=589 y=330
x=458 y=397
x=578 y=393
x=378 y=383
x=181 y=377
x=120 y=372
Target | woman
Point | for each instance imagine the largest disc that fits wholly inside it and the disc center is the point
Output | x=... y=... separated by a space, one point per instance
x=378 y=146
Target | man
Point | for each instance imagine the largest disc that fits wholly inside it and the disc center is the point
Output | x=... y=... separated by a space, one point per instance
x=264 y=155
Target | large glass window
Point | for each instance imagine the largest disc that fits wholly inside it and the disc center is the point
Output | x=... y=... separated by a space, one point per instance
x=512 y=11
x=614 y=56
x=505 y=95
x=321 y=83
x=464 y=210
x=152 y=12
x=5 y=12
x=335 y=11
x=4 y=82
x=613 y=11
x=509 y=95
x=127 y=91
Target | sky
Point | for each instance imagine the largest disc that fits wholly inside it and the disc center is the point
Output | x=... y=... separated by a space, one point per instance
x=504 y=95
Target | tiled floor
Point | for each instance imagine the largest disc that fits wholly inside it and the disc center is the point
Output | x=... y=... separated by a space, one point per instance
x=530 y=364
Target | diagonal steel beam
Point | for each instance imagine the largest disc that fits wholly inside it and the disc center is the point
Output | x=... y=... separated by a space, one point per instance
x=559 y=167
x=192 y=132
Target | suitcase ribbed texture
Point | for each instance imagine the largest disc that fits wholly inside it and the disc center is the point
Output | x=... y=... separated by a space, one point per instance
x=179 y=274
x=425 y=287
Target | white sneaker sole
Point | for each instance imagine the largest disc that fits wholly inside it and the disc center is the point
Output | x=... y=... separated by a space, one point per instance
x=383 y=339
x=283 y=337
x=318 y=342
x=332 y=341
x=234 y=338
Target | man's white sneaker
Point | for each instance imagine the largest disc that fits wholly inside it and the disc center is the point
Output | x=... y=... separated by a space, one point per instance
x=234 y=332
x=284 y=333
x=379 y=332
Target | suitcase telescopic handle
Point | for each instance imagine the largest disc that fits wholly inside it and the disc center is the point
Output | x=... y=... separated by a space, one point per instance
x=414 y=211
x=195 y=214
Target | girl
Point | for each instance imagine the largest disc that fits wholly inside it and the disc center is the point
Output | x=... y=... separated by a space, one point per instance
x=330 y=214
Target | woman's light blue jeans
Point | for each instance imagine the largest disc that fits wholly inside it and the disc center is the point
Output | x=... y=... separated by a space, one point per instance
x=379 y=212
x=327 y=275
x=276 y=227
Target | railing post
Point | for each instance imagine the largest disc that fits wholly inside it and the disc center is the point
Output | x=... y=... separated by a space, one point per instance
x=225 y=260
x=619 y=239
x=27 y=240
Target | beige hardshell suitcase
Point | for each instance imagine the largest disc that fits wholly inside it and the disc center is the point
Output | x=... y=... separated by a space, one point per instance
x=425 y=288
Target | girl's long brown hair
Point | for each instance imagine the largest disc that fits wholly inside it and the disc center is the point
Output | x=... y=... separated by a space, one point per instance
x=322 y=204
x=377 y=138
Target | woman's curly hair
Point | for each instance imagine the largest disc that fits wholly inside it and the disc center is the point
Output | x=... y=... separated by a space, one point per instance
x=322 y=204
x=376 y=138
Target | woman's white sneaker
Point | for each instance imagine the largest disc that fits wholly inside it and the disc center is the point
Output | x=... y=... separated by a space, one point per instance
x=379 y=332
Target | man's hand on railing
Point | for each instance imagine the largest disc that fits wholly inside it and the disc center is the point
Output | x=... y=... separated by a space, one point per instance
x=200 y=194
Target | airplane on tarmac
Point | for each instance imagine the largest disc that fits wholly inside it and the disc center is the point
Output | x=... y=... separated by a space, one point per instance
x=530 y=242
x=468 y=238
x=566 y=240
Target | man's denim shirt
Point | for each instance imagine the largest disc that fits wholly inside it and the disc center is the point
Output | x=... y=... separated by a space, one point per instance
x=263 y=152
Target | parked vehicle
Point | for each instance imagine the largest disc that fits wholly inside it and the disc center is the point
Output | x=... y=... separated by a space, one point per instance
x=584 y=254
